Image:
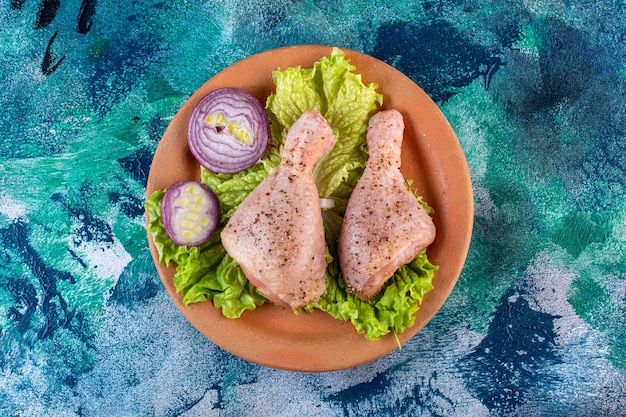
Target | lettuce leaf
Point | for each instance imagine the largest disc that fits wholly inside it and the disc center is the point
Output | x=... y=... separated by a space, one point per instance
x=204 y=272
x=207 y=272
x=391 y=311
x=332 y=88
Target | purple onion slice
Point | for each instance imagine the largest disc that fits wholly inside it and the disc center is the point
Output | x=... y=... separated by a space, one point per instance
x=190 y=212
x=228 y=131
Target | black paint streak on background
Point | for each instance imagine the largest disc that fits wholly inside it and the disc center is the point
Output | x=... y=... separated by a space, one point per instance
x=45 y=16
x=47 y=65
x=47 y=12
x=85 y=16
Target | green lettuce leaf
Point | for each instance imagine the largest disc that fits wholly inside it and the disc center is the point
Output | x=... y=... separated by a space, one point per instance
x=207 y=272
x=391 y=311
x=332 y=88
x=204 y=272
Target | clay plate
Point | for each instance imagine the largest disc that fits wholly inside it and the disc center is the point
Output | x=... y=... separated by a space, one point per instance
x=431 y=156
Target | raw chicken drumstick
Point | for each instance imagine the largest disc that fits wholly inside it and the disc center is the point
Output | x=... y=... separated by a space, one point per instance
x=385 y=226
x=276 y=234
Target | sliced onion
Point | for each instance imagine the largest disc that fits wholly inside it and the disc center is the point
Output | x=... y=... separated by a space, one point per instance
x=190 y=212
x=228 y=131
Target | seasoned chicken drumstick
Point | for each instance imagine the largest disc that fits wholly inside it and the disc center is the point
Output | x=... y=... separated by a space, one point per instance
x=384 y=226
x=276 y=234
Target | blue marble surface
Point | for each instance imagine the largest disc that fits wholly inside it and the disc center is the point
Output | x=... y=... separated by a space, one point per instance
x=536 y=92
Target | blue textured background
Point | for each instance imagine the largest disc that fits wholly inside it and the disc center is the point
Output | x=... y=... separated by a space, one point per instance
x=535 y=90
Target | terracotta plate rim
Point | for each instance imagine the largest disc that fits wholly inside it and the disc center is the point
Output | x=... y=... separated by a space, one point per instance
x=432 y=156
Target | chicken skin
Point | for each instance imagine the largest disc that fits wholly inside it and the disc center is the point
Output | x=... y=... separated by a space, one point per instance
x=276 y=234
x=384 y=226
